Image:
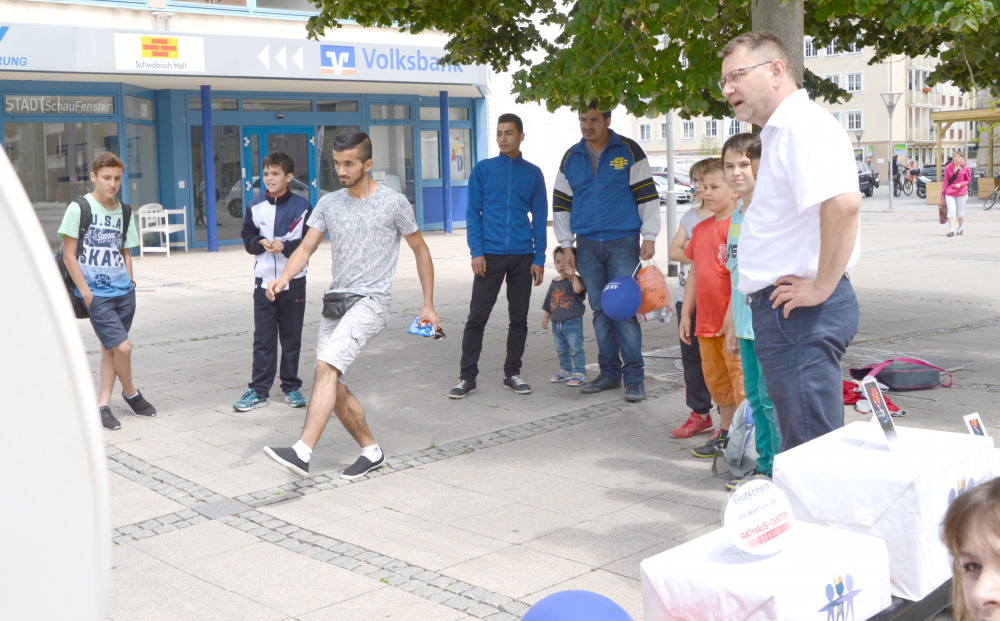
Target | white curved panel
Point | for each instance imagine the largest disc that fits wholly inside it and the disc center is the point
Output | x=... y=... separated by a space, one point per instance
x=55 y=548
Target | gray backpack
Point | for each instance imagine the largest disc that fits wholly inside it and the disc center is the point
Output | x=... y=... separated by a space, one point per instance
x=740 y=451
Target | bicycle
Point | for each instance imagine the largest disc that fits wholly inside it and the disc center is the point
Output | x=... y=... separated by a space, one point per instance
x=907 y=186
x=992 y=198
x=897 y=185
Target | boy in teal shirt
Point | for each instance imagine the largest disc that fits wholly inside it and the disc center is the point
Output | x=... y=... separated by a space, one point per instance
x=103 y=277
x=741 y=157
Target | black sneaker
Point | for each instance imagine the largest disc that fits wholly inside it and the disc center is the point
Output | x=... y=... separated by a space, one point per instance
x=518 y=385
x=110 y=422
x=716 y=442
x=361 y=467
x=635 y=392
x=140 y=406
x=753 y=474
x=462 y=389
x=287 y=457
x=603 y=382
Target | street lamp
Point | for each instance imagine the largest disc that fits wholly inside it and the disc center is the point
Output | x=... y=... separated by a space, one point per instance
x=890 y=100
x=857 y=134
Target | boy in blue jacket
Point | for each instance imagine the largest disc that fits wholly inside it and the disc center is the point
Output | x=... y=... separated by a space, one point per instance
x=273 y=227
x=505 y=245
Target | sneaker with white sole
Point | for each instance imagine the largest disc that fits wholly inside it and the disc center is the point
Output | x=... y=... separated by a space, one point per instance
x=108 y=419
x=462 y=389
x=249 y=401
x=362 y=467
x=140 y=407
x=295 y=399
x=518 y=385
x=287 y=457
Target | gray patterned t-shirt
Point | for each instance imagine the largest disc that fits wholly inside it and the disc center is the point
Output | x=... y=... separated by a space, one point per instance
x=364 y=239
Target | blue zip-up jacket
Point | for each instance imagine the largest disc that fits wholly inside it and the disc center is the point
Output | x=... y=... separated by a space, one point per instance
x=502 y=191
x=283 y=218
x=620 y=200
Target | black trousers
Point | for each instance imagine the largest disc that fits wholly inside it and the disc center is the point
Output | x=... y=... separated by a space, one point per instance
x=516 y=270
x=274 y=321
x=698 y=397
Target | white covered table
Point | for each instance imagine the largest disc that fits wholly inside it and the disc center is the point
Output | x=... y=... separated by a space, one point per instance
x=821 y=573
x=848 y=479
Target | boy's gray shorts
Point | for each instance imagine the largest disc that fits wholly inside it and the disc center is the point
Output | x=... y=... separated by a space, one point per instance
x=341 y=340
x=112 y=318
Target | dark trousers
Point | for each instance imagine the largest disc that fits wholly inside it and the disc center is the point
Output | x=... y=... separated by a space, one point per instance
x=698 y=397
x=516 y=270
x=801 y=358
x=274 y=321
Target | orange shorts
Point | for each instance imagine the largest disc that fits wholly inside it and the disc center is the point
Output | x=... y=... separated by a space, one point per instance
x=722 y=370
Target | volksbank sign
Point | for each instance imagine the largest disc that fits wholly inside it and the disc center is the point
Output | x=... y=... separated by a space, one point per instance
x=68 y=49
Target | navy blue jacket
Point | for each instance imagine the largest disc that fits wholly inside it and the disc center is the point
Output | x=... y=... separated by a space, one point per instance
x=619 y=201
x=502 y=191
x=282 y=218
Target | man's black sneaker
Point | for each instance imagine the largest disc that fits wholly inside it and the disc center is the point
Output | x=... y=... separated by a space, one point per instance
x=635 y=392
x=110 y=422
x=518 y=385
x=603 y=382
x=462 y=389
x=140 y=406
x=716 y=442
x=287 y=457
x=361 y=467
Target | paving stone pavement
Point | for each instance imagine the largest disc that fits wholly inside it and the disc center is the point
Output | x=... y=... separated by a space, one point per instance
x=486 y=504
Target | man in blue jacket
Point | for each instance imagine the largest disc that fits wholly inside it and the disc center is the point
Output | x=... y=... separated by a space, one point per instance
x=505 y=245
x=604 y=197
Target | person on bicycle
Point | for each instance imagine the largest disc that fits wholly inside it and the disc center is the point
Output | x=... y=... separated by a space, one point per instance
x=957 y=177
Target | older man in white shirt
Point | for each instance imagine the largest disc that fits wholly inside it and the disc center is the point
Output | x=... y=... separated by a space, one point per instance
x=798 y=240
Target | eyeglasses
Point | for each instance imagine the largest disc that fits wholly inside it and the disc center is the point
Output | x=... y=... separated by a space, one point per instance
x=736 y=75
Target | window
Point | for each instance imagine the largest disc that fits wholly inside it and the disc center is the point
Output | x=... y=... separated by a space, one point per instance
x=644 y=132
x=140 y=161
x=663 y=132
x=833 y=77
x=228 y=180
x=687 y=128
x=951 y=134
x=138 y=108
x=855 y=49
x=305 y=6
x=959 y=134
x=854 y=82
x=810 y=50
x=239 y=3
x=275 y=105
x=387 y=111
x=831 y=50
x=392 y=153
x=217 y=104
x=428 y=113
x=836 y=115
x=736 y=127
x=711 y=128
x=854 y=120
x=430 y=154
x=336 y=106
x=460 y=153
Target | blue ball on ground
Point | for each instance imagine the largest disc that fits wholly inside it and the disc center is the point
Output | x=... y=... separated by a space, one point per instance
x=621 y=298
x=576 y=606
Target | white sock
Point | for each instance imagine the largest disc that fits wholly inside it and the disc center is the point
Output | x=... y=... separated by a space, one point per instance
x=302 y=450
x=131 y=396
x=961 y=228
x=373 y=453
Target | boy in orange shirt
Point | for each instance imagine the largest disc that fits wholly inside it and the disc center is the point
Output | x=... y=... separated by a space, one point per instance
x=710 y=290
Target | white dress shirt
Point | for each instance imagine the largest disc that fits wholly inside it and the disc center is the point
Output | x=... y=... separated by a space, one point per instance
x=807 y=158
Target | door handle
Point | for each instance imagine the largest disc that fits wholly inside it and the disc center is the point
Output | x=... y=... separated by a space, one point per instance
x=314 y=183
x=248 y=186
x=246 y=141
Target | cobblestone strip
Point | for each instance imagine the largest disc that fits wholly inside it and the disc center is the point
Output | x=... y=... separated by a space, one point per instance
x=188 y=493
x=399 y=463
x=472 y=600
x=157 y=526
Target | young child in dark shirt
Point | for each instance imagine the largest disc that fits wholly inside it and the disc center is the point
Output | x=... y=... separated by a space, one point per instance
x=564 y=305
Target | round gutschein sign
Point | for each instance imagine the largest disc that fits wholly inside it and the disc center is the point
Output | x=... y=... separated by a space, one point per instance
x=758 y=517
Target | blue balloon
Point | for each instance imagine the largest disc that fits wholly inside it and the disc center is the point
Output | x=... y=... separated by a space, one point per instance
x=576 y=606
x=621 y=298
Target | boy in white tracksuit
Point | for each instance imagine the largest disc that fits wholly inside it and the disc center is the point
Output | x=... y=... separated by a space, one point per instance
x=273 y=227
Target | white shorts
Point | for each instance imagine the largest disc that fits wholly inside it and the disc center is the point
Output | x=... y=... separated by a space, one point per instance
x=956 y=205
x=341 y=340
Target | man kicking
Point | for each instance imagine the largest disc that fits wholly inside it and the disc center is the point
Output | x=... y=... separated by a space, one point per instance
x=365 y=221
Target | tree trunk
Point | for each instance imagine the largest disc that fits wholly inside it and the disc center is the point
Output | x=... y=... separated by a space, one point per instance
x=785 y=20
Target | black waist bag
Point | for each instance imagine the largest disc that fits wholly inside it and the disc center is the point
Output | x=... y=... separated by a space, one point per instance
x=336 y=304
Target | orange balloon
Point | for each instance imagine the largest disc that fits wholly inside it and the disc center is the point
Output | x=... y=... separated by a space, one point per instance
x=654 y=289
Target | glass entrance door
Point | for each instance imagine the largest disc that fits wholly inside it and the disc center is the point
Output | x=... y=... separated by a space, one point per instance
x=258 y=142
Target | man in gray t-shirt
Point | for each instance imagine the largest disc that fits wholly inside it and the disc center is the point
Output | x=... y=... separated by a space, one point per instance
x=366 y=222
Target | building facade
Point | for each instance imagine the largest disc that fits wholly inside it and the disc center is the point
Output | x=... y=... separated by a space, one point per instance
x=78 y=78
x=912 y=131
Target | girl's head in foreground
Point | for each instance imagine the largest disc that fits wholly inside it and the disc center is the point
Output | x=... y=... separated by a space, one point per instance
x=971 y=532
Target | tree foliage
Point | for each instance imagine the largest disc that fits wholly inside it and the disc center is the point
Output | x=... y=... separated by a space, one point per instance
x=651 y=56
